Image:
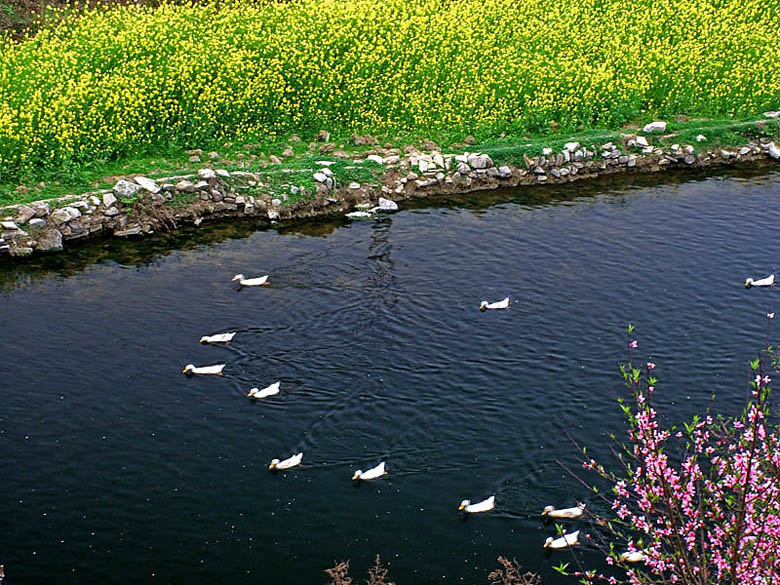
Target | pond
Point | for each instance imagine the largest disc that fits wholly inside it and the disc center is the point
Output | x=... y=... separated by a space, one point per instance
x=116 y=468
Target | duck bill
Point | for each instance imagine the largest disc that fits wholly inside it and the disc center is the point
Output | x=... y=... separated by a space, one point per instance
x=462 y=507
x=356 y=476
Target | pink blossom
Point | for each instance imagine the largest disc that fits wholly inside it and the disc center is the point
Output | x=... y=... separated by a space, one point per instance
x=633 y=344
x=650 y=365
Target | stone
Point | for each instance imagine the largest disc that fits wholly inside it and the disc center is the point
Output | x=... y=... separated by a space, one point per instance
x=726 y=154
x=438 y=159
x=774 y=151
x=469 y=139
x=24 y=214
x=125 y=189
x=541 y=178
x=771 y=114
x=688 y=149
x=111 y=212
x=555 y=173
x=572 y=146
x=657 y=126
x=222 y=173
x=131 y=231
x=49 y=240
x=387 y=205
x=391 y=160
x=642 y=141
x=440 y=177
x=631 y=161
x=193 y=159
x=275 y=160
x=622 y=160
x=375 y=158
x=207 y=174
x=288 y=152
x=689 y=159
x=272 y=213
x=328 y=147
x=492 y=172
x=37 y=223
x=323 y=136
x=504 y=172
x=480 y=161
x=147 y=184
x=41 y=209
x=547 y=151
x=320 y=177
x=186 y=186
x=9 y=225
x=744 y=150
x=109 y=200
x=354 y=186
x=701 y=138
x=213 y=155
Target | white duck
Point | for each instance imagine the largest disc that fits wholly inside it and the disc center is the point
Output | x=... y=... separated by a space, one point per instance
x=483 y=506
x=293 y=461
x=256 y=393
x=636 y=556
x=244 y=281
x=502 y=304
x=767 y=281
x=565 y=541
x=215 y=370
x=373 y=473
x=567 y=513
x=218 y=338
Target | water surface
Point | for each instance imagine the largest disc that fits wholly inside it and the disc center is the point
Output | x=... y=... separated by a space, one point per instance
x=118 y=469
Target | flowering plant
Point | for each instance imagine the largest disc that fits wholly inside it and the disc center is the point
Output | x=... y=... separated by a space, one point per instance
x=694 y=505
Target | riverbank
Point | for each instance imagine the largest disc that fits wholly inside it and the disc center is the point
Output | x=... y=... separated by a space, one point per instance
x=325 y=180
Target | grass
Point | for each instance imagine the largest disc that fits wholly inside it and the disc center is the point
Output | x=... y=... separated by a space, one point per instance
x=99 y=92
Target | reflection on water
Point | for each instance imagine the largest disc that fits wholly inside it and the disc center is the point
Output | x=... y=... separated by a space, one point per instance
x=116 y=468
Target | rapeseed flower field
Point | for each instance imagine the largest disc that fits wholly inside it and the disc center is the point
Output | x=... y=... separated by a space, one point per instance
x=110 y=83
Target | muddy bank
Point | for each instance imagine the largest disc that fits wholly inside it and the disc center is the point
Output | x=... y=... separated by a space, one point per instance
x=139 y=206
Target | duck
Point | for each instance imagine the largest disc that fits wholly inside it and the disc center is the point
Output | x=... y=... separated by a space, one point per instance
x=293 y=461
x=256 y=394
x=215 y=370
x=483 y=506
x=373 y=473
x=766 y=281
x=565 y=541
x=244 y=281
x=567 y=513
x=637 y=556
x=218 y=338
x=502 y=304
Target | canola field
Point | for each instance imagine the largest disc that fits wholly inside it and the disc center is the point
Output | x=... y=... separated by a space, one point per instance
x=107 y=84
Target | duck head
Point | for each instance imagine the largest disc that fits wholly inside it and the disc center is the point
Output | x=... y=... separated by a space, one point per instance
x=463 y=504
x=252 y=392
x=748 y=282
x=547 y=510
x=188 y=369
x=203 y=339
x=237 y=277
x=548 y=542
x=483 y=306
x=357 y=474
x=273 y=464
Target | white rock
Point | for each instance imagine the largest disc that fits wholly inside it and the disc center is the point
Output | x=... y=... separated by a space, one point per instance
x=771 y=114
x=354 y=185
x=572 y=146
x=223 y=173
x=186 y=186
x=125 y=189
x=109 y=200
x=422 y=165
x=439 y=160
x=547 y=151
x=642 y=141
x=480 y=161
x=774 y=151
x=8 y=225
x=359 y=214
x=657 y=126
x=207 y=174
x=325 y=163
x=320 y=177
x=391 y=160
x=147 y=184
x=675 y=147
x=387 y=205
x=375 y=158
x=701 y=138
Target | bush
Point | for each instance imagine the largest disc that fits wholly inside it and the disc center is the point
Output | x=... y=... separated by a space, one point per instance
x=694 y=505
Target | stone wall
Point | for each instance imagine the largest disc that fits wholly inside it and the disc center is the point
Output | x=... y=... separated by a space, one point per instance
x=138 y=205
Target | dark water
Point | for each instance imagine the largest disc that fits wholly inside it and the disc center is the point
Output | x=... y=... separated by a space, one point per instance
x=118 y=469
